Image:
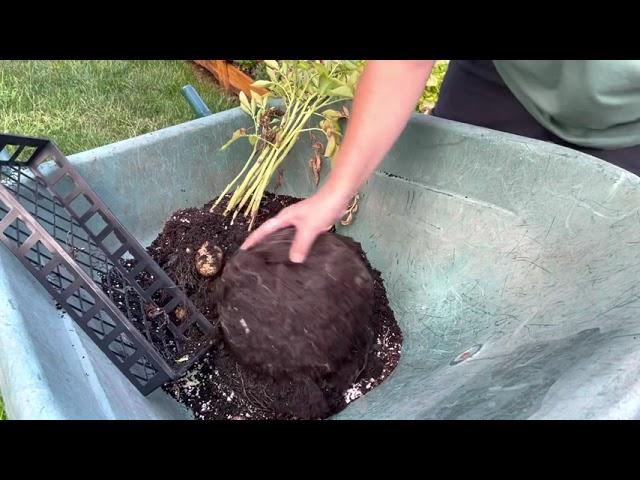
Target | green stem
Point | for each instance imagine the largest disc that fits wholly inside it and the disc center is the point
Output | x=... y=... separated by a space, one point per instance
x=344 y=99
x=312 y=129
x=264 y=157
x=234 y=198
x=263 y=180
x=233 y=182
x=256 y=181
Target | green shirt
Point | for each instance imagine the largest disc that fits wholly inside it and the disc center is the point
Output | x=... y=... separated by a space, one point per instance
x=590 y=103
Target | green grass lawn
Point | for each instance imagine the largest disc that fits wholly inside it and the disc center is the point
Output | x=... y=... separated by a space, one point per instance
x=85 y=104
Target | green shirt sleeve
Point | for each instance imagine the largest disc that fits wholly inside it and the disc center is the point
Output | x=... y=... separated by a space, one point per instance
x=590 y=103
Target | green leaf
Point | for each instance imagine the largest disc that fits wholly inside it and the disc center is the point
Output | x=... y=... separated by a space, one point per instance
x=326 y=84
x=353 y=79
x=246 y=109
x=272 y=75
x=322 y=69
x=261 y=84
x=343 y=91
x=253 y=139
x=255 y=100
x=271 y=64
x=244 y=101
x=241 y=132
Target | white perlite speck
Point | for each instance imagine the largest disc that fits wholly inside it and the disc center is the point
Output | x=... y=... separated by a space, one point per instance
x=352 y=394
x=244 y=325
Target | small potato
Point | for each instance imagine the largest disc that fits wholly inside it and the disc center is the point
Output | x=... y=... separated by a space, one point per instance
x=209 y=260
x=181 y=313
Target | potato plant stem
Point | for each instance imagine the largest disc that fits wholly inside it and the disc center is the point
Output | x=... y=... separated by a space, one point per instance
x=306 y=87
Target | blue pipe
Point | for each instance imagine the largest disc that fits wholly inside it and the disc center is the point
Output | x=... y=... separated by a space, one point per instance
x=197 y=104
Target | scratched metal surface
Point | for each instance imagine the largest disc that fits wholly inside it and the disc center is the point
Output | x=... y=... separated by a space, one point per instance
x=522 y=254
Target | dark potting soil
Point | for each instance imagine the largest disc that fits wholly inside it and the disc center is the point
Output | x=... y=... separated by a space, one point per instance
x=306 y=323
x=218 y=386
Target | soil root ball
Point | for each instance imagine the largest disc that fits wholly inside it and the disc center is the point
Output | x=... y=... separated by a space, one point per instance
x=296 y=321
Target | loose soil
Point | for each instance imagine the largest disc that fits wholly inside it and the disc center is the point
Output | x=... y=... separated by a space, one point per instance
x=219 y=386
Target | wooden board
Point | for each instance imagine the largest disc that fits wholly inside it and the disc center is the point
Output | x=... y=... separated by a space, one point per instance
x=230 y=77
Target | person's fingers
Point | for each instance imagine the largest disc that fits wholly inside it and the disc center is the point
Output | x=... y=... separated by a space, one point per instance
x=302 y=242
x=266 y=229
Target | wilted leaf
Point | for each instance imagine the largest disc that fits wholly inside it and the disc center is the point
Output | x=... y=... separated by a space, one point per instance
x=347 y=219
x=315 y=163
x=279 y=181
x=332 y=114
x=335 y=155
x=331 y=146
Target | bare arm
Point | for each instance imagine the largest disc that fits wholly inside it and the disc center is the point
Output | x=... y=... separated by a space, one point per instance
x=386 y=96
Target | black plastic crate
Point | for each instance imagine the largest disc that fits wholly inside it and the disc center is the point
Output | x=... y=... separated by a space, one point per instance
x=93 y=267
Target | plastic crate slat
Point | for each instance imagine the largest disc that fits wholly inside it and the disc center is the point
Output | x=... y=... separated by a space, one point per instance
x=33 y=199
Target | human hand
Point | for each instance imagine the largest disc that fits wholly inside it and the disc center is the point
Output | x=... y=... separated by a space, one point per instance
x=310 y=217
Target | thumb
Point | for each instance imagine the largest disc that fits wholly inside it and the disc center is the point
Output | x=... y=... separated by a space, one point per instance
x=302 y=243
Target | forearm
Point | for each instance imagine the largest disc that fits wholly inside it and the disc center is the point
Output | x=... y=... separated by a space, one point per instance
x=386 y=96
